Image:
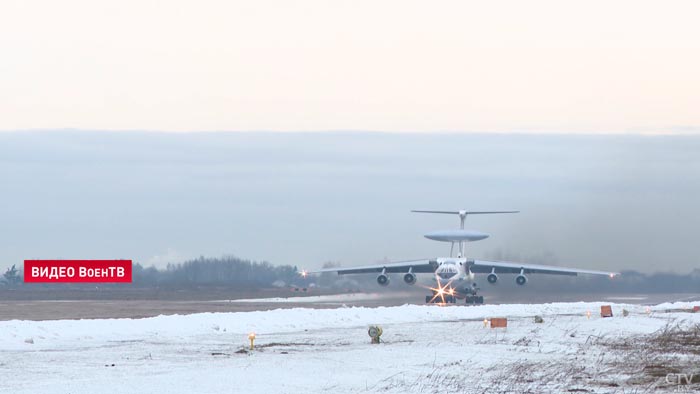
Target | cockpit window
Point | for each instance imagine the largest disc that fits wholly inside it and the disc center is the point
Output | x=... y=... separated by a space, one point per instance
x=447 y=271
x=446 y=275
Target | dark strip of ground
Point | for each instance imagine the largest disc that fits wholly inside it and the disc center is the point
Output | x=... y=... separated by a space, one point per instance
x=96 y=303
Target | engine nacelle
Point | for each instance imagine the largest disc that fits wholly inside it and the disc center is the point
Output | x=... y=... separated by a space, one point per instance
x=492 y=278
x=383 y=280
x=521 y=280
x=410 y=278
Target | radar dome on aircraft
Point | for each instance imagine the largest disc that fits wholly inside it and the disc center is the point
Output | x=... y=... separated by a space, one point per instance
x=456 y=235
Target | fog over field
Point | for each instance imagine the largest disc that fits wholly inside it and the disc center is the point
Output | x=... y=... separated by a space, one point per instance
x=603 y=202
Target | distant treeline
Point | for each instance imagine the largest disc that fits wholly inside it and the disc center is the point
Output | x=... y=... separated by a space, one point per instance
x=628 y=282
x=227 y=271
x=224 y=271
x=230 y=271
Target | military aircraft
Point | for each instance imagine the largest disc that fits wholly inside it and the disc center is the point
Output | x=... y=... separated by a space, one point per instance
x=455 y=276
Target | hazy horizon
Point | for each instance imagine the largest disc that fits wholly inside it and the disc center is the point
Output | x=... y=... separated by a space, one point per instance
x=603 y=202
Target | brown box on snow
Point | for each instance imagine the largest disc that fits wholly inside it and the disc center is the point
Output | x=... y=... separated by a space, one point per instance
x=498 y=322
x=606 y=311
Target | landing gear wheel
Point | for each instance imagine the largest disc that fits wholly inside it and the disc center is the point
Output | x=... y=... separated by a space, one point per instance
x=432 y=299
x=474 y=300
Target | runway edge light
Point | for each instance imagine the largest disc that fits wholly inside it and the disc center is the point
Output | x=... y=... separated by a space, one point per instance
x=251 y=336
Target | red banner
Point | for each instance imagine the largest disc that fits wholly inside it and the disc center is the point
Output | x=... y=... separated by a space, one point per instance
x=77 y=271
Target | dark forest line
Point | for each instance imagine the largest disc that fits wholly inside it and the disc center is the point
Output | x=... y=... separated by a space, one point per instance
x=237 y=273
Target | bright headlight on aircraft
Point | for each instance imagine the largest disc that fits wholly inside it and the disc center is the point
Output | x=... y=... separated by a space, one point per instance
x=303 y=273
x=441 y=291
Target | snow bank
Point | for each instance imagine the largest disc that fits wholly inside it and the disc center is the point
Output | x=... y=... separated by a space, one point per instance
x=13 y=334
x=427 y=348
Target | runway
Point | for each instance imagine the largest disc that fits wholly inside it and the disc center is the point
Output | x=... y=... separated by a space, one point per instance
x=106 y=304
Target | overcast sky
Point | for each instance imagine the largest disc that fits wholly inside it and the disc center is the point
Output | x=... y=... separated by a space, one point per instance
x=400 y=65
x=584 y=115
x=601 y=202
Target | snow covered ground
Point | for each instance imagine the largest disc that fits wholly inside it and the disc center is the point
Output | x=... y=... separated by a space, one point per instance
x=425 y=349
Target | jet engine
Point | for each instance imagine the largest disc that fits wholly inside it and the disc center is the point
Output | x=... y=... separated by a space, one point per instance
x=383 y=280
x=521 y=280
x=409 y=278
x=492 y=278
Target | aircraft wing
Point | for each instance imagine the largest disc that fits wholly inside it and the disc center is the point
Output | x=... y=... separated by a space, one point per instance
x=509 y=267
x=416 y=266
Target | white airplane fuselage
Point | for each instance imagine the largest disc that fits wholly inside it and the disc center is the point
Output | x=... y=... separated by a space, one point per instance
x=453 y=276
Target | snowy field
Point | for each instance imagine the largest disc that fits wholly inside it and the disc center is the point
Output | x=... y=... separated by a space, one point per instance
x=425 y=349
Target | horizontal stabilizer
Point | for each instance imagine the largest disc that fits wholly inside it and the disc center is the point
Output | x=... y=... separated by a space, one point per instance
x=465 y=212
